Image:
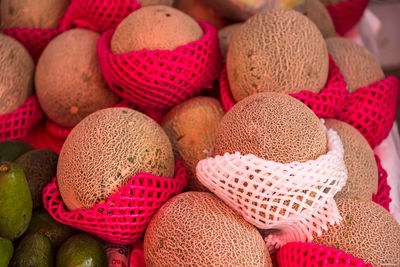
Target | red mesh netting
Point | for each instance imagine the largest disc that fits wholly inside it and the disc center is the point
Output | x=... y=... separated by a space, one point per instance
x=123 y=218
x=39 y=138
x=346 y=14
x=18 y=123
x=162 y=78
x=136 y=258
x=382 y=196
x=299 y=254
x=56 y=130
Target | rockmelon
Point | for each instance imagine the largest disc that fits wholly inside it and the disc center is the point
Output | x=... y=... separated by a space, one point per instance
x=155 y=2
x=279 y=50
x=367 y=231
x=43 y=14
x=360 y=162
x=272 y=126
x=198 y=229
x=318 y=14
x=105 y=150
x=191 y=127
x=357 y=64
x=16 y=75
x=155 y=27
x=68 y=80
x=331 y=2
x=225 y=37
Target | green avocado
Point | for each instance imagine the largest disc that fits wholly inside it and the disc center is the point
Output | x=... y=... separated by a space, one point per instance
x=15 y=199
x=12 y=149
x=6 y=251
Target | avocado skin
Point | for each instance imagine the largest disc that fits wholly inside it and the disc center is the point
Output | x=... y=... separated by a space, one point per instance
x=12 y=149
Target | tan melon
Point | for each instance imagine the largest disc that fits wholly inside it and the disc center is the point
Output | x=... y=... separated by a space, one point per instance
x=367 y=231
x=155 y=27
x=155 y=2
x=191 y=127
x=317 y=13
x=43 y=14
x=357 y=64
x=331 y=2
x=272 y=126
x=225 y=37
x=105 y=150
x=360 y=162
x=198 y=229
x=279 y=50
x=68 y=80
x=16 y=75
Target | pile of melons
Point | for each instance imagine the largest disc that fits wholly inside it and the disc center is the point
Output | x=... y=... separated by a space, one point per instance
x=270 y=49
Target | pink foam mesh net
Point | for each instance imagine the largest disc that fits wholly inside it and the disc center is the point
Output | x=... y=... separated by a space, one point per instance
x=299 y=254
x=57 y=130
x=123 y=218
x=18 y=123
x=346 y=14
x=382 y=196
x=39 y=138
x=162 y=78
x=136 y=258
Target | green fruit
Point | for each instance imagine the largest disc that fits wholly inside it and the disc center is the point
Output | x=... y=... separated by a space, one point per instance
x=12 y=149
x=6 y=251
x=39 y=167
x=81 y=250
x=33 y=250
x=15 y=199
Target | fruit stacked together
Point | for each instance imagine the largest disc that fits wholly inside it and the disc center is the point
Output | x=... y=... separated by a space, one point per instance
x=280 y=171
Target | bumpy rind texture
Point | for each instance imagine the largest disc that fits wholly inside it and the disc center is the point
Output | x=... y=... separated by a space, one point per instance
x=198 y=229
x=367 y=231
x=272 y=126
x=68 y=79
x=155 y=27
x=191 y=128
x=318 y=13
x=357 y=65
x=278 y=50
x=155 y=2
x=105 y=150
x=16 y=75
x=225 y=37
x=360 y=162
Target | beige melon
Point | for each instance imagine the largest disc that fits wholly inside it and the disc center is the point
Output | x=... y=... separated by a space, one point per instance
x=272 y=126
x=16 y=75
x=155 y=2
x=43 y=14
x=68 y=80
x=367 y=231
x=198 y=229
x=357 y=64
x=155 y=27
x=191 y=127
x=225 y=37
x=318 y=14
x=360 y=162
x=331 y=2
x=279 y=50
x=105 y=150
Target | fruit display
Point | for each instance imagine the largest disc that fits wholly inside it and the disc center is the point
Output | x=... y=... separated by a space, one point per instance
x=163 y=133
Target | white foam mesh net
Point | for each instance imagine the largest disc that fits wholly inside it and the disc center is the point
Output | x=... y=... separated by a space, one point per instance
x=292 y=200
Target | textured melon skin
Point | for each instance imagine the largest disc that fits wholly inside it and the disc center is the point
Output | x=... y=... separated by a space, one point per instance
x=331 y=2
x=155 y=2
x=273 y=52
x=225 y=37
x=272 y=126
x=105 y=150
x=43 y=14
x=191 y=127
x=198 y=229
x=357 y=64
x=367 y=231
x=360 y=162
x=16 y=75
x=155 y=27
x=318 y=14
x=68 y=80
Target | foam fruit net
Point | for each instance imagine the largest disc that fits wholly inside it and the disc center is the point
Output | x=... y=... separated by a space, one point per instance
x=18 y=123
x=293 y=200
x=346 y=14
x=96 y=15
x=161 y=78
x=39 y=138
x=298 y=254
x=123 y=218
x=382 y=196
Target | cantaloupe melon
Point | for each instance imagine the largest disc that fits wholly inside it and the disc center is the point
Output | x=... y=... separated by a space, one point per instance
x=331 y=2
x=272 y=126
x=105 y=150
x=225 y=37
x=43 y=14
x=317 y=13
x=198 y=229
x=191 y=127
x=367 y=231
x=155 y=2
x=16 y=75
x=155 y=27
x=360 y=162
x=279 y=50
x=68 y=80
x=357 y=64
